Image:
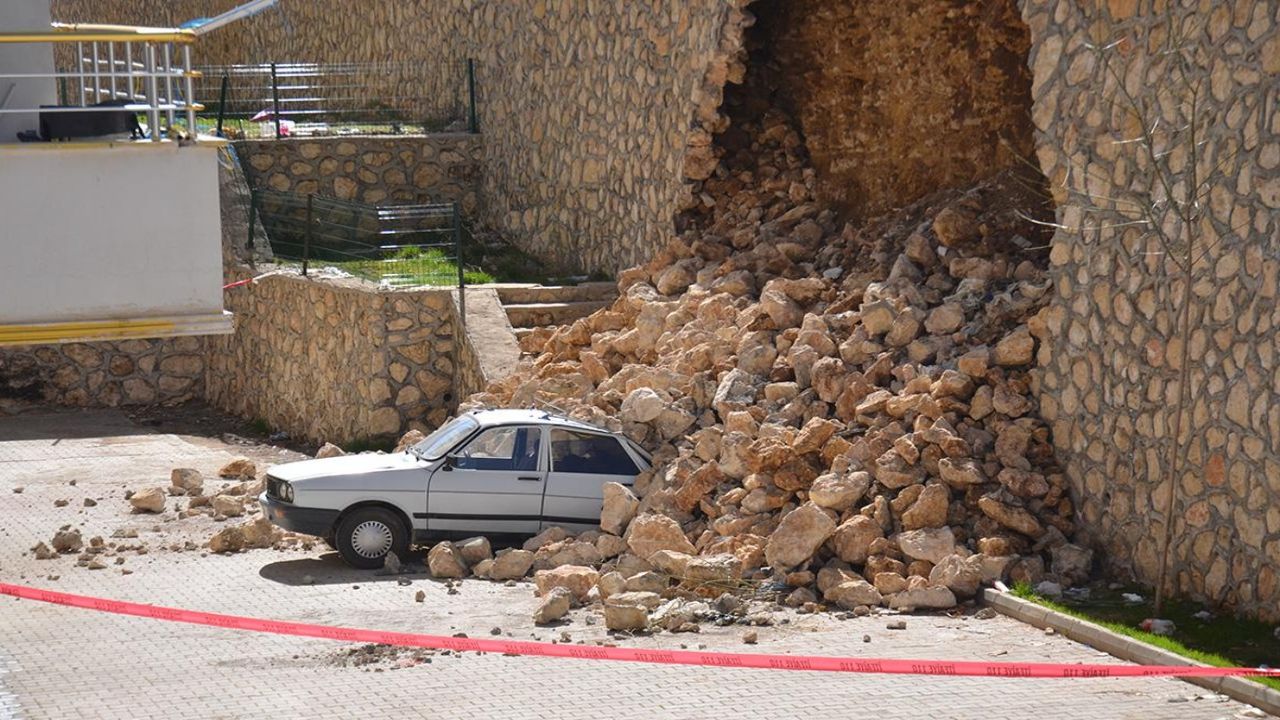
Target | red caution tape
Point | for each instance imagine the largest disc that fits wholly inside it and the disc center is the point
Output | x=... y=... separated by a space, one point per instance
x=595 y=652
x=238 y=283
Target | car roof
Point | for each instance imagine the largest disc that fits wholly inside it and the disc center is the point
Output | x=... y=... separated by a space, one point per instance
x=488 y=418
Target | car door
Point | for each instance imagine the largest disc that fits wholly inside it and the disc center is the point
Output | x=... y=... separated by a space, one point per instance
x=492 y=484
x=580 y=464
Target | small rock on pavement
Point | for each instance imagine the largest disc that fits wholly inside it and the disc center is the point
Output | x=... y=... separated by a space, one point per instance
x=226 y=505
x=555 y=605
x=420 y=596
x=67 y=541
x=90 y=502
x=239 y=469
x=188 y=479
x=750 y=637
x=390 y=565
x=577 y=579
x=625 y=616
x=329 y=450
x=150 y=500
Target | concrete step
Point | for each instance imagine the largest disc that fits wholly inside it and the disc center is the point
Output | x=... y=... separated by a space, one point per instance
x=527 y=294
x=531 y=315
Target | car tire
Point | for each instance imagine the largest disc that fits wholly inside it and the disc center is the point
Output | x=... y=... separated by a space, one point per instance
x=365 y=536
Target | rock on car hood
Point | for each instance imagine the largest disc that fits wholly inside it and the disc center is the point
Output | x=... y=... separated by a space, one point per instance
x=349 y=470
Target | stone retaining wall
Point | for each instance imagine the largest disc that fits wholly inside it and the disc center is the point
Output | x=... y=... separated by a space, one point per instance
x=105 y=374
x=588 y=108
x=335 y=360
x=374 y=170
x=1110 y=374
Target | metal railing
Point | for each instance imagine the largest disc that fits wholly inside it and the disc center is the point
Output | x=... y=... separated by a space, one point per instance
x=395 y=246
x=120 y=69
x=282 y=99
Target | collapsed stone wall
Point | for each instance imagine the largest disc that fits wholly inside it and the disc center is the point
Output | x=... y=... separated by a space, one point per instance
x=897 y=100
x=1113 y=356
x=335 y=360
x=586 y=107
x=374 y=170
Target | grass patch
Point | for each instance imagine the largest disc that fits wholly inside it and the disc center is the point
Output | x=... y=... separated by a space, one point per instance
x=1220 y=642
x=411 y=267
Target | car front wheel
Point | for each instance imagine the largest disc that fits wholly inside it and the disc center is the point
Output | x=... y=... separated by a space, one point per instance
x=365 y=536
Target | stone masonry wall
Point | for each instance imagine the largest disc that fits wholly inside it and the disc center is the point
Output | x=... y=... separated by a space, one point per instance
x=105 y=374
x=1110 y=370
x=900 y=99
x=588 y=107
x=374 y=170
x=335 y=360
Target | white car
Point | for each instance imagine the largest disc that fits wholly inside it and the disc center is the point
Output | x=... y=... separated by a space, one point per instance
x=484 y=472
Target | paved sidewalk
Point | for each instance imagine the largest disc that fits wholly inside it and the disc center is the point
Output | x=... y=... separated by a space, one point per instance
x=58 y=662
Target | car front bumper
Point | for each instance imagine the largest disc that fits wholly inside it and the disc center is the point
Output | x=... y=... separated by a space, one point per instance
x=305 y=520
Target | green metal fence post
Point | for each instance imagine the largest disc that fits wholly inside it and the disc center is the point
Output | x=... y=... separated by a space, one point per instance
x=306 y=246
x=253 y=212
x=275 y=99
x=473 y=123
x=222 y=102
x=457 y=253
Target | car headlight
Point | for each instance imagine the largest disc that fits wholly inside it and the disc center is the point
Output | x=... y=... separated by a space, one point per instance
x=286 y=492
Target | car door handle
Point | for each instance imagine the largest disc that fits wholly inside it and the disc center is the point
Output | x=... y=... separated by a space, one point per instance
x=531 y=478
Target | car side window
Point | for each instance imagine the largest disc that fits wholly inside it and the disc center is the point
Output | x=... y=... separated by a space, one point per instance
x=579 y=452
x=502 y=449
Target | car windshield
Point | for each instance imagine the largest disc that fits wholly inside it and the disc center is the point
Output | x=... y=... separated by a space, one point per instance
x=445 y=437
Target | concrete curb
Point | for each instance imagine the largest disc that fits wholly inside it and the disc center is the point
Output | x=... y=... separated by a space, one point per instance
x=1126 y=648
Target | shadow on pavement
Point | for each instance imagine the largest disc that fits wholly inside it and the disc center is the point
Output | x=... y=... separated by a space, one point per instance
x=329 y=569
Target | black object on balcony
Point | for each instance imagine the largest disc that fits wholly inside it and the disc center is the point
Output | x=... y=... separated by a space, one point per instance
x=89 y=123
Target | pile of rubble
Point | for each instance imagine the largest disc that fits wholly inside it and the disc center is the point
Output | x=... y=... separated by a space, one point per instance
x=844 y=411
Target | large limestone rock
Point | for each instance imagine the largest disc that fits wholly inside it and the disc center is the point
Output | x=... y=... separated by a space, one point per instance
x=151 y=500
x=926 y=598
x=511 y=564
x=852 y=593
x=329 y=450
x=839 y=491
x=619 y=508
x=445 y=561
x=627 y=615
x=555 y=605
x=239 y=469
x=649 y=533
x=931 y=544
x=1071 y=563
x=474 y=550
x=577 y=580
x=961 y=575
x=852 y=540
x=227 y=505
x=929 y=510
x=799 y=535
x=188 y=480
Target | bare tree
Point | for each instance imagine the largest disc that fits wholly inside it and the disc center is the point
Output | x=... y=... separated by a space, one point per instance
x=1151 y=77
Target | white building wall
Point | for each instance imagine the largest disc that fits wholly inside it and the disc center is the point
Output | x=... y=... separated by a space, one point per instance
x=17 y=15
x=106 y=231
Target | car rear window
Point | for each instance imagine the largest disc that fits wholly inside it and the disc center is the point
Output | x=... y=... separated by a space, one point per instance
x=580 y=452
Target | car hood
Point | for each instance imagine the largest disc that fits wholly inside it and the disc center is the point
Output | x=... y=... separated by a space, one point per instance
x=349 y=466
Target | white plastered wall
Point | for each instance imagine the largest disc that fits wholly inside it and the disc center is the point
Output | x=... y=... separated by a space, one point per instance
x=19 y=15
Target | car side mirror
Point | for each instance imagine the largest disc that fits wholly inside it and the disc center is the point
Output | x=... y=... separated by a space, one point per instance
x=448 y=463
